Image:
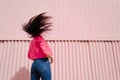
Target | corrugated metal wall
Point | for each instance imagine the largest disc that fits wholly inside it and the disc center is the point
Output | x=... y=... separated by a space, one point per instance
x=73 y=60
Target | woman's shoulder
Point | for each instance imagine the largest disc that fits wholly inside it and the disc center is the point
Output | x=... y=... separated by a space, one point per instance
x=38 y=38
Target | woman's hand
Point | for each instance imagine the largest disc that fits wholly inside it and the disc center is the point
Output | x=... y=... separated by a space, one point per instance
x=50 y=58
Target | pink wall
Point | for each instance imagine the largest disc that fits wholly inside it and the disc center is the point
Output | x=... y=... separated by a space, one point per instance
x=73 y=60
x=73 y=19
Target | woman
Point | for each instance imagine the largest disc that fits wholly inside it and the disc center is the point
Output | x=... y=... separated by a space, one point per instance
x=39 y=50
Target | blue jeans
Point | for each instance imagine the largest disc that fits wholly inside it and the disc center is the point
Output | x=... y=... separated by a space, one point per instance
x=41 y=69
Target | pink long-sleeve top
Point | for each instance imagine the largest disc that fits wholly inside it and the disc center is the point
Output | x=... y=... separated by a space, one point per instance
x=39 y=48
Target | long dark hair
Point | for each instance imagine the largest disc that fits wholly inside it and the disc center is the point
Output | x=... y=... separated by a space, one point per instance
x=37 y=25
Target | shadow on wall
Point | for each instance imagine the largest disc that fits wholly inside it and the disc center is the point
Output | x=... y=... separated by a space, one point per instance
x=22 y=74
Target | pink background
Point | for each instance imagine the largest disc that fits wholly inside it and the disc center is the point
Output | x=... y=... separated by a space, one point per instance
x=93 y=25
x=73 y=19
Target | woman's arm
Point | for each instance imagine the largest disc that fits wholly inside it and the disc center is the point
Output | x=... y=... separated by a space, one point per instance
x=44 y=46
x=50 y=57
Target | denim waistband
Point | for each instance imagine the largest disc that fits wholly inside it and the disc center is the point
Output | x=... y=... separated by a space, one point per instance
x=41 y=59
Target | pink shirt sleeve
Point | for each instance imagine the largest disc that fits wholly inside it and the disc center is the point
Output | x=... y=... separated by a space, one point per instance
x=39 y=48
x=44 y=46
